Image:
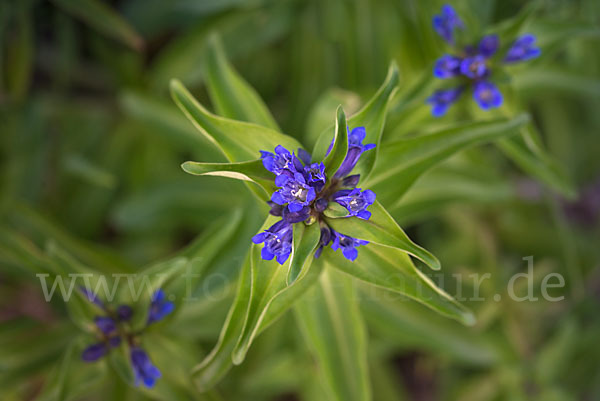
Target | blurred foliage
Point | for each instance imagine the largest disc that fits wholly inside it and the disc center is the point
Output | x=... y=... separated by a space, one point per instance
x=91 y=148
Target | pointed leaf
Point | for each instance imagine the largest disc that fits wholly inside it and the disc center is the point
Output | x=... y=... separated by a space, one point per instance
x=331 y=324
x=393 y=270
x=372 y=117
x=231 y=95
x=334 y=159
x=382 y=229
x=271 y=294
x=238 y=141
x=402 y=162
x=251 y=171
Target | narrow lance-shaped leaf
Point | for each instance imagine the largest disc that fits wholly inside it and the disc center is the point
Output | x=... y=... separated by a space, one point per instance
x=238 y=141
x=335 y=158
x=251 y=171
x=382 y=229
x=331 y=324
x=402 y=162
x=271 y=294
x=393 y=270
x=372 y=117
x=231 y=95
x=263 y=295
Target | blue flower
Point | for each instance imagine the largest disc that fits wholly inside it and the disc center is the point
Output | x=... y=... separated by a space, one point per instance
x=315 y=174
x=143 y=368
x=326 y=235
x=89 y=294
x=347 y=245
x=489 y=45
x=105 y=324
x=522 y=49
x=487 y=95
x=442 y=99
x=356 y=201
x=159 y=308
x=446 y=22
x=124 y=313
x=281 y=160
x=277 y=240
x=296 y=217
x=474 y=67
x=447 y=66
x=94 y=352
x=294 y=191
x=355 y=150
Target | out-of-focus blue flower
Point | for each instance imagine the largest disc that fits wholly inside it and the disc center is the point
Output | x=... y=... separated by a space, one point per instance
x=487 y=95
x=442 y=99
x=124 y=313
x=89 y=294
x=347 y=244
x=277 y=240
x=522 y=49
x=447 y=66
x=105 y=324
x=355 y=150
x=488 y=45
x=356 y=201
x=446 y=22
x=474 y=67
x=159 y=307
x=94 y=352
x=294 y=191
x=145 y=372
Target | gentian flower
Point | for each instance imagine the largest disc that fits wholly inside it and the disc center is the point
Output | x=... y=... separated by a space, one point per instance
x=277 y=240
x=143 y=368
x=305 y=192
x=445 y=23
x=442 y=99
x=472 y=66
x=112 y=329
x=159 y=308
x=356 y=201
x=347 y=245
x=522 y=49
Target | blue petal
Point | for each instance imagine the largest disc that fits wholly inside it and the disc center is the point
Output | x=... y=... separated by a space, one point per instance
x=266 y=255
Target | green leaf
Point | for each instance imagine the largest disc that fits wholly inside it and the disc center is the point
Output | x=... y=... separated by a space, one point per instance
x=231 y=95
x=238 y=141
x=275 y=288
x=336 y=157
x=382 y=229
x=263 y=295
x=104 y=19
x=118 y=359
x=393 y=270
x=331 y=324
x=540 y=165
x=408 y=324
x=402 y=162
x=251 y=171
x=372 y=117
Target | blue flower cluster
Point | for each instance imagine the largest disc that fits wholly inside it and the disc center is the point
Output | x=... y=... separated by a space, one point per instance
x=473 y=66
x=112 y=328
x=305 y=192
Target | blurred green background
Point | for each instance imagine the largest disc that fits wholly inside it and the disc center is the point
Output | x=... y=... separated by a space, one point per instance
x=91 y=147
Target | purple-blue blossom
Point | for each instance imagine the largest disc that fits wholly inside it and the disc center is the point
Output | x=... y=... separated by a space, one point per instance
x=305 y=192
x=356 y=201
x=159 y=307
x=277 y=241
x=347 y=244
x=472 y=65
x=145 y=372
x=446 y=23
